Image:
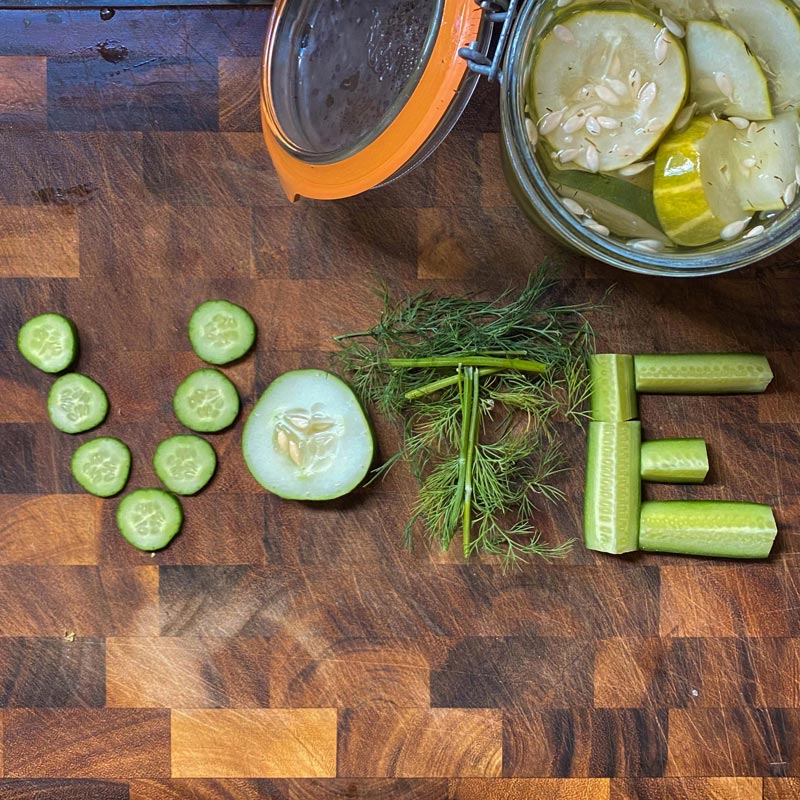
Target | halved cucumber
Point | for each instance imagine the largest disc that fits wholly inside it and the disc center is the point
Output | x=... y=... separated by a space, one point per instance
x=702 y=373
x=308 y=437
x=616 y=70
x=613 y=487
x=102 y=466
x=772 y=32
x=726 y=76
x=49 y=342
x=185 y=464
x=767 y=159
x=613 y=396
x=708 y=528
x=206 y=401
x=221 y=332
x=674 y=461
x=76 y=403
x=149 y=519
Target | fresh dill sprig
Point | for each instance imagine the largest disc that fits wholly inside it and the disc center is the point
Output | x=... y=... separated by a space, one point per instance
x=477 y=386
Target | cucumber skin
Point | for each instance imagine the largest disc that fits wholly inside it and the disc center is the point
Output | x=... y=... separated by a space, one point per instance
x=613 y=487
x=712 y=528
x=674 y=461
x=701 y=373
x=613 y=396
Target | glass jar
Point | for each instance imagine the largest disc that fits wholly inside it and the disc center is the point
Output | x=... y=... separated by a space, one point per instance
x=355 y=94
x=542 y=205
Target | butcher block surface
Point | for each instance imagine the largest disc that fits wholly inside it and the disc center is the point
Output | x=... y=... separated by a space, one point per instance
x=297 y=652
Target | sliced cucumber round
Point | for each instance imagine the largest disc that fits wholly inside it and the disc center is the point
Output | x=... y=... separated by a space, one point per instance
x=767 y=157
x=49 y=342
x=221 y=332
x=149 y=519
x=206 y=401
x=185 y=464
x=102 y=466
x=726 y=76
x=308 y=437
x=605 y=85
x=682 y=10
x=772 y=32
x=76 y=403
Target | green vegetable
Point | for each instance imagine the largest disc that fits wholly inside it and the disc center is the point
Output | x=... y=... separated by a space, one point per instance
x=49 y=342
x=613 y=396
x=221 y=332
x=185 y=464
x=708 y=528
x=76 y=403
x=308 y=437
x=478 y=418
x=102 y=466
x=701 y=373
x=613 y=487
x=149 y=519
x=206 y=401
x=674 y=461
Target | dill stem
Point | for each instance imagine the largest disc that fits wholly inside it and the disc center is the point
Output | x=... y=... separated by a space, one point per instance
x=442 y=383
x=464 y=398
x=434 y=362
x=471 y=425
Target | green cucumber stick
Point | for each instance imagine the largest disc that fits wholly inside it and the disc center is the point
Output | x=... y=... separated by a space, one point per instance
x=613 y=487
x=613 y=388
x=674 y=461
x=700 y=373
x=707 y=528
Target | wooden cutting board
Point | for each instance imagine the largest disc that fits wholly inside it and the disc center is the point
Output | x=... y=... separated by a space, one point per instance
x=279 y=650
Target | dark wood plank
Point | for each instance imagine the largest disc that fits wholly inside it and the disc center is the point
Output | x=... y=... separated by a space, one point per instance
x=199 y=789
x=41 y=673
x=57 y=789
x=687 y=789
x=79 y=743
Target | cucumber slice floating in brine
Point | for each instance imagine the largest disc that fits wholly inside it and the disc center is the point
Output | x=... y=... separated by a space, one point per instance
x=102 y=466
x=149 y=519
x=768 y=160
x=772 y=32
x=49 y=342
x=682 y=10
x=185 y=464
x=206 y=401
x=726 y=76
x=221 y=332
x=605 y=85
x=76 y=403
x=308 y=437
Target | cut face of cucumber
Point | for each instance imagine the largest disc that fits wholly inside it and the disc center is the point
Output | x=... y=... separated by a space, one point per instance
x=49 y=342
x=682 y=10
x=772 y=32
x=726 y=77
x=221 y=332
x=102 y=466
x=206 y=401
x=76 y=403
x=674 y=461
x=702 y=373
x=605 y=85
x=149 y=519
x=308 y=437
x=613 y=396
x=767 y=157
x=185 y=464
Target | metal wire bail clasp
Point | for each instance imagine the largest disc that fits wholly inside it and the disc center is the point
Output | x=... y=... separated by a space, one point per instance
x=494 y=11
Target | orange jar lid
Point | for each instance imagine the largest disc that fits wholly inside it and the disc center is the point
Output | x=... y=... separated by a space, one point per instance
x=351 y=93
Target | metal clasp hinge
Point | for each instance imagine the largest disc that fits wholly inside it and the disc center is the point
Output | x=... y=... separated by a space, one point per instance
x=495 y=11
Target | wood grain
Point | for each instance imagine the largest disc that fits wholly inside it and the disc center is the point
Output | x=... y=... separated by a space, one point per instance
x=80 y=743
x=289 y=651
x=281 y=743
x=50 y=529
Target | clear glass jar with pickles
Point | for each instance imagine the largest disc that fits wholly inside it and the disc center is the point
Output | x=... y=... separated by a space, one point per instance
x=657 y=135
